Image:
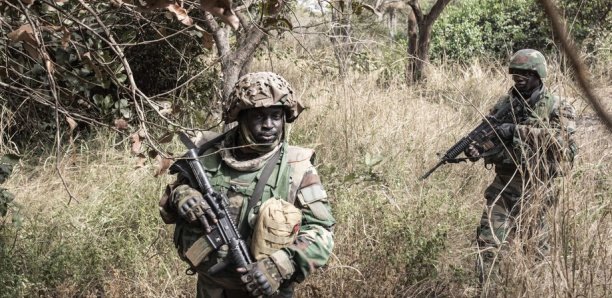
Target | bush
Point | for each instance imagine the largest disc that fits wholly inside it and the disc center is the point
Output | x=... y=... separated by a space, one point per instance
x=476 y=28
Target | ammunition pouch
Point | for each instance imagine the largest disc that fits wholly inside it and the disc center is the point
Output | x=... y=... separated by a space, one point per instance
x=277 y=226
x=191 y=243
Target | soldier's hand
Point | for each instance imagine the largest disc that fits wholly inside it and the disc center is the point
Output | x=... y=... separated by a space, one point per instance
x=505 y=130
x=472 y=152
x=192 y=207
x=261 y=278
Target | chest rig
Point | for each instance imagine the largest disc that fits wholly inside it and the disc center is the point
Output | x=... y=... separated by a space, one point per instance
x=536 y=112
x=240 y=186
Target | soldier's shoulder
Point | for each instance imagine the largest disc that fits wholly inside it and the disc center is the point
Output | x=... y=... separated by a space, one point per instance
x=296 y=154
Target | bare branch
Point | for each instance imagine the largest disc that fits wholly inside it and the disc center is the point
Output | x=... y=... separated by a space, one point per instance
x=580 y=68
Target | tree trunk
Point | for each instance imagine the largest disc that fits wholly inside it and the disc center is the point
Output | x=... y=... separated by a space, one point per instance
x=413 y=39
x=419 y=36
x=341 y=34
x=235 y=61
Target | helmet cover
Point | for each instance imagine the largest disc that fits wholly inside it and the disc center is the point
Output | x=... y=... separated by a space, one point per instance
x=261 y=90
x=528 y=59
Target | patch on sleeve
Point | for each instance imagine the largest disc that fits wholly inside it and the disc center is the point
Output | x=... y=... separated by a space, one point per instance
x=314 y=197
x=309 y=179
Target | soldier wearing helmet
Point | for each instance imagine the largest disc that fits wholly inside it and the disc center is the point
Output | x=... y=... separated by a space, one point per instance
x=536 y=148
x=275 y=197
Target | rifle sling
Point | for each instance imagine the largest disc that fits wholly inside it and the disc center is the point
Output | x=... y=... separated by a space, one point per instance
x=259 y=187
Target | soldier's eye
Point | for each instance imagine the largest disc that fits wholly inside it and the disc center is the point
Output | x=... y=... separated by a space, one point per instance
x=277 y=116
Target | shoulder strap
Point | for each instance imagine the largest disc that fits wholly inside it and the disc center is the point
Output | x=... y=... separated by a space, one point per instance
x=261 y=183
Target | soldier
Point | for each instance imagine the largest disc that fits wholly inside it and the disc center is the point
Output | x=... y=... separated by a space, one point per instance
x=275 y=197
x=537 y=146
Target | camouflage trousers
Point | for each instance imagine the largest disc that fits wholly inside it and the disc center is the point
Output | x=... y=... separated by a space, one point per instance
x=232 y=287
x=515 y=207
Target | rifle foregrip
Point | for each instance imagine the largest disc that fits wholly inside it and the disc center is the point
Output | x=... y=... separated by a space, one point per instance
x=458 y=148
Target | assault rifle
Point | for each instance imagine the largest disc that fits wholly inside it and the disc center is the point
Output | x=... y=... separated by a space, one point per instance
x=224 y=232
x=484 y=135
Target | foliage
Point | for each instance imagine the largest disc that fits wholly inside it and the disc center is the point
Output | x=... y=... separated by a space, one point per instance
x=80 y=60
x=474 y=28
x=7 y=162
x=477 y=28
x=71 y=250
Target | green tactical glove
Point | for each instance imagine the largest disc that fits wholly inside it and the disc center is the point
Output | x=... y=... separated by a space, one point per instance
x=192 y=207
x=505 y=130
x=266 y=275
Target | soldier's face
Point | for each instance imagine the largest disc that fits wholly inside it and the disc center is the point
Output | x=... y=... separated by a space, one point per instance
x=265 y=124
x=525 y=80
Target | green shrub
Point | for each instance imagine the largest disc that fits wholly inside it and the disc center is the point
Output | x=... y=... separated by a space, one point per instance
x=493 y=28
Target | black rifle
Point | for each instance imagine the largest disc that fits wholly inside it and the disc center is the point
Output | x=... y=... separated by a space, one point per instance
x=483 y=135
x=224 y=232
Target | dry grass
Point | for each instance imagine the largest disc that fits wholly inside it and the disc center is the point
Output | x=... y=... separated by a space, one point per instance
x=396 y=236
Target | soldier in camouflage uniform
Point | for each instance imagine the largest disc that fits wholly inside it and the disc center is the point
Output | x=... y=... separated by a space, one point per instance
x=537 y=148
x=262 y=103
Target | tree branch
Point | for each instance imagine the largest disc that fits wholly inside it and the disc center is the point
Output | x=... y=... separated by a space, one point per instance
x=582 y=76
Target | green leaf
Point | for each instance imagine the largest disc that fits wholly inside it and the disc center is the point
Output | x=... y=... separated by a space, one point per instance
x=7 y=162
x=121 y=78
x=5 y=198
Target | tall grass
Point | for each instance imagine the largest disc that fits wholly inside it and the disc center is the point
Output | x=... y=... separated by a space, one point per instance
x=396 y=236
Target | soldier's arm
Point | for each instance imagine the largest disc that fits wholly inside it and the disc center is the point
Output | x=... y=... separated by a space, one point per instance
x=556 y=135
x=167 y=210
x=315 y=241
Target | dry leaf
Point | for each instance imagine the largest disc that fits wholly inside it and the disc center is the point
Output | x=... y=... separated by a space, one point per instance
x=25 y=34
x=71 y=123
x=136 y=141
x=162 y=165
x=180 y=13
x=27 y=2
x=121 y=124
x=221 y=9
x=207 y=40
x=140 y=162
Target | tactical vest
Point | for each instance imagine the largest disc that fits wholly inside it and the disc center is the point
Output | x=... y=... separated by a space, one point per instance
x=238 y=186
x=539 y=116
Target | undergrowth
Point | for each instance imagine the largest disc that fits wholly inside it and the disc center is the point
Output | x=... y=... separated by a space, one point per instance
x=396 y=236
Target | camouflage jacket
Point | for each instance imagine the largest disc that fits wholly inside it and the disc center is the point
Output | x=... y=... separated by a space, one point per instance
x=543 y=141
x=294 y=179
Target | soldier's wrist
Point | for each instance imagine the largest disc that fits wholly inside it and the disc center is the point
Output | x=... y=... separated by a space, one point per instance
x=284 y=264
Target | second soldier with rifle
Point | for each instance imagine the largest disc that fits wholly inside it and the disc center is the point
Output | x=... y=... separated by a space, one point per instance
x=528 y=139
x=279 y=225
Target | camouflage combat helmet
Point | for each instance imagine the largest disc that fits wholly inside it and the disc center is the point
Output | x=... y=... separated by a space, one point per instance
x=528 y=59
x=261 y=89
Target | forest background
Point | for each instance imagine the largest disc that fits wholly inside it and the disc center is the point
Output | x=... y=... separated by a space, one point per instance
x=92 y=92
